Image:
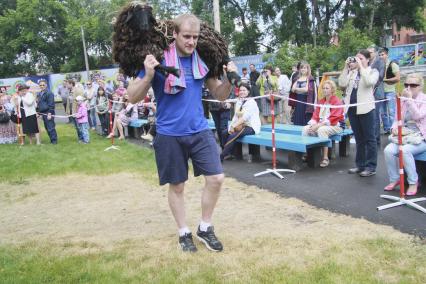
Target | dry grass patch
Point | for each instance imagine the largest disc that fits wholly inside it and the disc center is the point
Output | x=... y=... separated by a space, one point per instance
x=122 y=226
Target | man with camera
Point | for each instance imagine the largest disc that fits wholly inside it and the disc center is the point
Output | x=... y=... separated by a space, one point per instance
x=268 y=83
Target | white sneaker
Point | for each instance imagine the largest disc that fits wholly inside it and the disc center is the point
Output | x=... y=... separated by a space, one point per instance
x=147 y=137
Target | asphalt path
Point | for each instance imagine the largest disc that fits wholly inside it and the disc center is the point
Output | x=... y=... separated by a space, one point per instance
x=333 y=189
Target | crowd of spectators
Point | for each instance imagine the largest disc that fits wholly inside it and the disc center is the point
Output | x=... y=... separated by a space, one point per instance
x=367 y=77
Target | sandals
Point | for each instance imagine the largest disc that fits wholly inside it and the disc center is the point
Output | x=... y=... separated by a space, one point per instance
x=391 y=186
x=324 y=163
x=414 y=192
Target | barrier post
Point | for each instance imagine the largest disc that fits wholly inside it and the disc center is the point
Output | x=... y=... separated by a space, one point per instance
x=274 y=169
x=401 y=199
x=112 y=147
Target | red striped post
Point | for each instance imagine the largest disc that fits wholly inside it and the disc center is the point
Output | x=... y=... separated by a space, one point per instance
x=274 y=156
x=401 y=159
x=110 y=122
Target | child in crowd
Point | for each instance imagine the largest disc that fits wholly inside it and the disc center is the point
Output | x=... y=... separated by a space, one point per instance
x=82 y=121
x=102 y=110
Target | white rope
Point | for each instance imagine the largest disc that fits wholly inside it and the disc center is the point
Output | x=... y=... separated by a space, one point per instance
x=290 y=99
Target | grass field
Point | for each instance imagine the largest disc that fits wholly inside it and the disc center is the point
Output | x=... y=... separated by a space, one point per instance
x=73 y=213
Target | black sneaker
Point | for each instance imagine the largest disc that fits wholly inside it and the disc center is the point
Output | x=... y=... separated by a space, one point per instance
x=186 y=243
x=209 y=239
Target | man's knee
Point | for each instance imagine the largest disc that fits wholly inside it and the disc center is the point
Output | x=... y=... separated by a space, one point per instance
x=215 y=181
x=177 y=188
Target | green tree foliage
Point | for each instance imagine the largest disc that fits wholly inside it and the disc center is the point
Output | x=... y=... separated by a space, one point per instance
x=323 y=58
x=32 y=37
x=45 y=35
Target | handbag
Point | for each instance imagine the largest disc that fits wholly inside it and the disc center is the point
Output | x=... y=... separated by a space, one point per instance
x=4 y=116
x=13 y=116
x=408 y=137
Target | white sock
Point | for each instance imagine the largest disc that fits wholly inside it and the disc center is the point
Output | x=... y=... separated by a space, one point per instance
x=183 y=231
x=204 y=226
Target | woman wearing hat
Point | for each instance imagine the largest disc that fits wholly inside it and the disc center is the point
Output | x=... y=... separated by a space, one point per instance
x=27 y=112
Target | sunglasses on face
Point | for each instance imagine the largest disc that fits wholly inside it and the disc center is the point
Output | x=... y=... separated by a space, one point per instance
x=411 y=85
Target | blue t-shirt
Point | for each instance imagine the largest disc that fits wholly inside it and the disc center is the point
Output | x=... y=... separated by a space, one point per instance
x=179 y=114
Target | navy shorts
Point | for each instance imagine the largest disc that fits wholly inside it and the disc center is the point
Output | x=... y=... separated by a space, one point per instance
x=173 y=152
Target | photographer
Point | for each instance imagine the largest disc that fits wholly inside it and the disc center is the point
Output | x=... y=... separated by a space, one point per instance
x=268 y=84
x=359 y=79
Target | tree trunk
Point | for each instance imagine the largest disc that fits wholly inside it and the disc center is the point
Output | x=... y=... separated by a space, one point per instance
x=370 y=24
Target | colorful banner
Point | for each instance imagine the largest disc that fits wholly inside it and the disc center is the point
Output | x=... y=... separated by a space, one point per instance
x=405 y=55
x=421 y=55
x=245 y=61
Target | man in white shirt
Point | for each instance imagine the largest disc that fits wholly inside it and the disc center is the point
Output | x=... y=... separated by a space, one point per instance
x=284 y=86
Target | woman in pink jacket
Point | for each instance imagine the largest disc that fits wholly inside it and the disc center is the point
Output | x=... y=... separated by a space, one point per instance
x=413 y=112
x=325 y=120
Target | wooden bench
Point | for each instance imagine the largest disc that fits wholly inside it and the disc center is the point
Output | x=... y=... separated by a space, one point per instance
x=297 y=145
x=135 y=127
x=343 y=138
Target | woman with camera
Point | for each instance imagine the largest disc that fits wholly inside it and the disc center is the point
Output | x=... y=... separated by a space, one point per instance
x=413 y=112
x=305 y=89
x=244 y=122
x=7 y=127
x=358 y=79
x=268 y=84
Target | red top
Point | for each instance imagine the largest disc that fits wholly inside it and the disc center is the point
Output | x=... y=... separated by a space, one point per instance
x=333 y=117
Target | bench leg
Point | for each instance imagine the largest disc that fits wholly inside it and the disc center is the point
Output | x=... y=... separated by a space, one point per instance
x=332 y=151
x=254 y=151
x=238 y=151
x=344 y=146
x=295 y=161
x=314 y=157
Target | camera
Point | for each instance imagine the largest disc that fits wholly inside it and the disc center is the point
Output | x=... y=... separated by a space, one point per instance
x=351 y=59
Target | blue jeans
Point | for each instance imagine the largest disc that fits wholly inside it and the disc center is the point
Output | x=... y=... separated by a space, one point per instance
x=231 y=139
x=104 y=122
x=377 y=113
x=91 y=114
x=221 y=118
x=408 y=151
x=50 y=129
x=363 y=126
x=388 y=111
x=84 y=132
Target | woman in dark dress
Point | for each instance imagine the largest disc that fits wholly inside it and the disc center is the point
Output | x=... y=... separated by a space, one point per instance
x=305 y=89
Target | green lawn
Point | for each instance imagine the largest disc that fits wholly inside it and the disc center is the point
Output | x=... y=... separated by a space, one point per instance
x=21 y=163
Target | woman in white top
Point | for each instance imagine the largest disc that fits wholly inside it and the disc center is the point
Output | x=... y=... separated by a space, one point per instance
x=246 y=121
x=26 y=103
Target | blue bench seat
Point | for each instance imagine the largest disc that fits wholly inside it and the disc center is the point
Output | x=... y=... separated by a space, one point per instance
x=297 y=145
x=343 y=138
x=138 y=122
x=135 y=127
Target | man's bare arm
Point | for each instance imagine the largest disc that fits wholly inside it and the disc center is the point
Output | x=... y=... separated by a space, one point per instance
x=138 y=89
